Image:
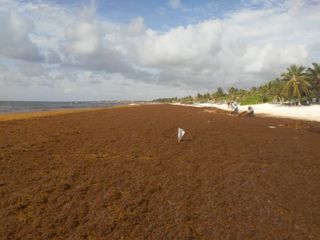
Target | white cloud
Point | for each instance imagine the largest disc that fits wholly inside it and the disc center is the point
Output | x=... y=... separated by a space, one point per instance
x=83 y=37
x=175 y=4
x=248 y=46
x=15 y=41
x=180 y=46
x=49 y=46
x=82 y=34
x=136 y=26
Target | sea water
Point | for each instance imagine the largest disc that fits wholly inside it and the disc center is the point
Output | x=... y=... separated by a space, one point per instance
x=26 y=106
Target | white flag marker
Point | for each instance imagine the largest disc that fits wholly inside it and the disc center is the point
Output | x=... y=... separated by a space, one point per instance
x=181 y=133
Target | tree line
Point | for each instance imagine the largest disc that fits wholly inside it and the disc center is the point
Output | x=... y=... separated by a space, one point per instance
x=296 y=85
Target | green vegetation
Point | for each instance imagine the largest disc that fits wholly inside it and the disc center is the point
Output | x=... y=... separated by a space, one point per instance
x=166 y=100
x=314 y=75
x=296 y=85
x=296 y=82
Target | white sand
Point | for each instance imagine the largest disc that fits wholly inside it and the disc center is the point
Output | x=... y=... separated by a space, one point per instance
x=310 y=113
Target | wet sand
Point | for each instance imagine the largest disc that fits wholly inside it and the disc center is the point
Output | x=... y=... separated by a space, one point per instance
x=120 y=174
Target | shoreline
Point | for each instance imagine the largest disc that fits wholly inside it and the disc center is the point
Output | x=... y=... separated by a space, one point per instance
x=305 y=113
x=11 y=116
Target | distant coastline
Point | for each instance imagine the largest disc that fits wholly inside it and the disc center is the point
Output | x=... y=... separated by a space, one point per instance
x=9 y=116
x=38 y=106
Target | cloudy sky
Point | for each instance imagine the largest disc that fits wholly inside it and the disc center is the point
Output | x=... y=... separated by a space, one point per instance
x=143 y=49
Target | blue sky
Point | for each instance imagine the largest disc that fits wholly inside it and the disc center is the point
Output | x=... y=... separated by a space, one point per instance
x=158 y=14
x=58 y=50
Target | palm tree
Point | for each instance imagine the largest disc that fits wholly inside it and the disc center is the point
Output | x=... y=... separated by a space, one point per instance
x=199 y=96
x=263 y=92
x=314 y=75
x=276 y=90
x=296 y=82
x=232 y=92
x=220 y=92
x=206 y=96
x=253 y=89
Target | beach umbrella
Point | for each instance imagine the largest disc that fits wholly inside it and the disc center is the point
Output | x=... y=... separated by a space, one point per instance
x=181 y=133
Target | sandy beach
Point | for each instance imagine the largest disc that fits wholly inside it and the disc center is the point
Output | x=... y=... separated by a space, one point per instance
x=309 y=113
x=121 y=174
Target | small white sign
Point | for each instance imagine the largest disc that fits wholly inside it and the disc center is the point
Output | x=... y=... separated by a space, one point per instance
x=181 y=133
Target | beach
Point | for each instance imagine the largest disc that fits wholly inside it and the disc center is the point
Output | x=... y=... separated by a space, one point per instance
x=120 y=173
x=309 y=113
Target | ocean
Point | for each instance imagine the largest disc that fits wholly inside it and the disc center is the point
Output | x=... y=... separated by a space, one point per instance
x=28 y=106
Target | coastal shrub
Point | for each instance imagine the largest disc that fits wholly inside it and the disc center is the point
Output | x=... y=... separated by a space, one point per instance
x=251 y=99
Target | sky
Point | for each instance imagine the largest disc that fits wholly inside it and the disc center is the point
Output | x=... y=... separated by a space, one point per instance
x=84 y=50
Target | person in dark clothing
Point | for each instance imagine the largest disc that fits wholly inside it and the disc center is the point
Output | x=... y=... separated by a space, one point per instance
x=251 y=111
x=236 y=110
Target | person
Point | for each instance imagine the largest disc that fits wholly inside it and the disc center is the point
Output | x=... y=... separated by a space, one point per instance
x=234 y=105
x=235 y=108
x=251 y=111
